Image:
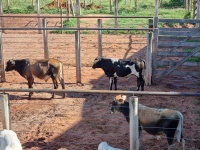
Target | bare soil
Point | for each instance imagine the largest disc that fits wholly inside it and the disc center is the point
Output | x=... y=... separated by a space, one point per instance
x=82 y=120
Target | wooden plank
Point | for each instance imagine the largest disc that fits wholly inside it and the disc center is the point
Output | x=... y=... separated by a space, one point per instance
x=178 y=44
x=175 y=38
x=179 y=20
x=176 y=54
x=165 y=73
x=154 y=55
x=178 y=34
x=178 y=29
x=180 y=73
x=170 y=63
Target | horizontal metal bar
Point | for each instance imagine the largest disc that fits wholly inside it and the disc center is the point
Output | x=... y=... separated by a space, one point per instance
x=3 y=90
x=22 y=16
x=75 y=28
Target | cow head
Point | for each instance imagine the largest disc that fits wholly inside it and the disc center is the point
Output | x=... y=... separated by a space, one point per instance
x=10 y=65
x=97 y=62
x=117 y=103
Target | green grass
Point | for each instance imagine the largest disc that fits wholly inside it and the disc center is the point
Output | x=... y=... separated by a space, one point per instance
x=193 y=58
x=170 y=9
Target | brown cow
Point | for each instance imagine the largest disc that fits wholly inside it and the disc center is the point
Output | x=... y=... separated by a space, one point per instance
x=42 y=69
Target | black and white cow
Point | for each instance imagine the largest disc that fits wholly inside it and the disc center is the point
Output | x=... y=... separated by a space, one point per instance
x=154 y=121
x=114 y=67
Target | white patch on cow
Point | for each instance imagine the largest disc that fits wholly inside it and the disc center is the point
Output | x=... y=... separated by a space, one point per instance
x=114 y=60
x=133 y=71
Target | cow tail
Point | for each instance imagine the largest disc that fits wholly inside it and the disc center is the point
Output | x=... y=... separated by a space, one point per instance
x=179 y=127
x=144 y=63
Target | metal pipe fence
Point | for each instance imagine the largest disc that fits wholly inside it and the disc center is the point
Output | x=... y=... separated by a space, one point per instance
x=65 y=110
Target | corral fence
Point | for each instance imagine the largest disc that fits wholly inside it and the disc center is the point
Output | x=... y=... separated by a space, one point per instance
x=46 y=43
x=133 y=106
x=169 y=50
x=174 y=49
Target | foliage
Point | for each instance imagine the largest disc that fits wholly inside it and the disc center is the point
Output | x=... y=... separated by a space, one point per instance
x=173 y=3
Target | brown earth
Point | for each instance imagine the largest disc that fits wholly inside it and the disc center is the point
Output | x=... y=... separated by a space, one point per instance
x=81 y=120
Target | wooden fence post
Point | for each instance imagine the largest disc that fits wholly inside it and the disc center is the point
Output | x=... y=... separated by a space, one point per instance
x=133 y=123
x=149 y=59
x=99 y=37
x=38 y=14
x=5 y=110
x=156 y=8
x=2 y=18
x=116 y=15
x=3 y=78
x=110 y=5
x=45 y=37
x=61 y=19
x=154 y=55
x=198 y=13
x=78 y=58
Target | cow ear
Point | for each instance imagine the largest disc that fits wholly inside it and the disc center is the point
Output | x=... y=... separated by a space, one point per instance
x=124 y=97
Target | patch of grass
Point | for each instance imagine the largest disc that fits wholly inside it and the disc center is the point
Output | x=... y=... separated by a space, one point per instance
x=193 y=58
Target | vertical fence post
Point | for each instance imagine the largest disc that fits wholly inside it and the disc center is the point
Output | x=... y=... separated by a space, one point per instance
x=154 y=55
x=133 y=123
x=78 y=59
x=156 y=8
x=198 y=13
x=78 y=13
x=38 y=15
x=149 y=59
x=45 y=36
x=149 y=53
x=2 y=18
x=99 y=37
x=116 y=15
x=67 y=9
x=3 y=78
x=5 y=110
x=110 y=5
x=61 y=19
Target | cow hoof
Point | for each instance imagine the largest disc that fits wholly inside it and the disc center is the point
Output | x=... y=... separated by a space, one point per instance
x=64 y=95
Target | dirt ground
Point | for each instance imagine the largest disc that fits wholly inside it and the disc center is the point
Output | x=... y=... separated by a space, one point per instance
x=82 y=120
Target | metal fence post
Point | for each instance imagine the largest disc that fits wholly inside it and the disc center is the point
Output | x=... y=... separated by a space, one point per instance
x=99 y=37
x=78 y=58
x=133 y=123
x=5 y=110
x=45 y=36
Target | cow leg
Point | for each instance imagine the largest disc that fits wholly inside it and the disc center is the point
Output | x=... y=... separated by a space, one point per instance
x=115 y=82
x=30 y=85
x=63 y=85
x=140 y=83
x=170 y=138
x=182 y=143
x=55 y=83
x=111 y=82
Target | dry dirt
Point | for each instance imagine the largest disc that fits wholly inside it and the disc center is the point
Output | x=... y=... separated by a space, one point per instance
x=81 y=120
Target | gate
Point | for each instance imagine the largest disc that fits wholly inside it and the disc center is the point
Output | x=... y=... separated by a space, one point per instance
x=176 y=50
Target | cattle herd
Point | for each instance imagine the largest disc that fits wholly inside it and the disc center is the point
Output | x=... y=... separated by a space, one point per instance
x=154 y=121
